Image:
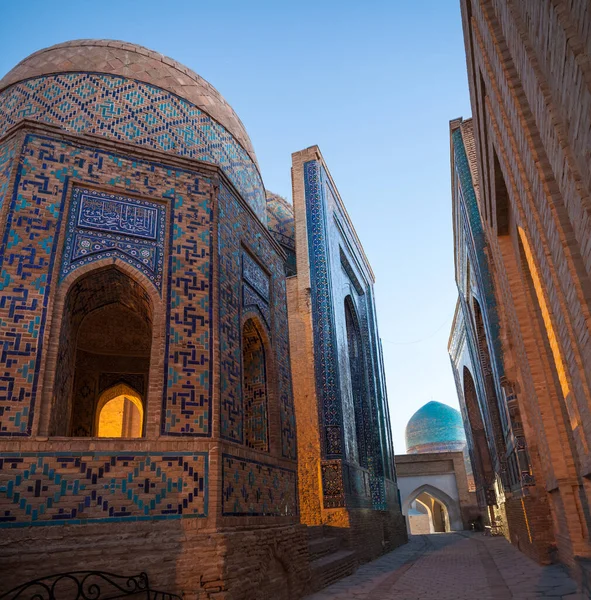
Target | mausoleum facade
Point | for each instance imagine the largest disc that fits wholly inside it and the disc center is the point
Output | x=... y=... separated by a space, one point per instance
x=147 y=417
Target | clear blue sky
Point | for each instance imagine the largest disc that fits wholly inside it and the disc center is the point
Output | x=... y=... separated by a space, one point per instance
x=373 y=83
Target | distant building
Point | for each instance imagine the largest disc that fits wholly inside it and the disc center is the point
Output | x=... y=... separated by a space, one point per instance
x=436 y=489
x=435 y=427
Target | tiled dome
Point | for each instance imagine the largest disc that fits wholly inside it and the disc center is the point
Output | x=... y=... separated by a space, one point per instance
x=114 y=57
x=280 y=219
x=435 y=427
x=131 y=95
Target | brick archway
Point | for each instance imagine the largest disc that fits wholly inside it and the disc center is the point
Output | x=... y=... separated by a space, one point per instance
x=106 y=326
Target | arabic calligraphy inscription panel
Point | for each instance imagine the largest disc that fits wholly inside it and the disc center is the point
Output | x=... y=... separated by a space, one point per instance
x=101 y=225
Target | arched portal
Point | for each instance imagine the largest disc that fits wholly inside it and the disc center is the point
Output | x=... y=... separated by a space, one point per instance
x=442 y=510
x=480 y=452
x=492 y=403
x=105 y=339
x=357 y=372
x=255 y=394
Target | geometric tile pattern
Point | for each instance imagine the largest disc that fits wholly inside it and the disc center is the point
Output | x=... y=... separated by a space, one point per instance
x=236 y=231
x=27 y=254
x=333 y=490
x=325 y=351
x=101 y=225
x=7 y=153
x=88 y=487
x=131 y=111
x=256 y=423
x=255 y=276
x=251 y=488
x=255 y=289
x=189 y=357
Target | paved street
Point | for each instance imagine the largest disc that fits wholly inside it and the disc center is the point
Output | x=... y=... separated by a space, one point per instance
x=453 y=566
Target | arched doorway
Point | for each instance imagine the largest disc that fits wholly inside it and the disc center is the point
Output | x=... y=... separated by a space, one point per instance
x=254 y=382
x=431 y=510
x=357 y=373
x=479 y=449
x=119 y=413
x=105 y=340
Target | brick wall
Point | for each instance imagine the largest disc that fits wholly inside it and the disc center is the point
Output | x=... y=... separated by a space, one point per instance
x=531 y=92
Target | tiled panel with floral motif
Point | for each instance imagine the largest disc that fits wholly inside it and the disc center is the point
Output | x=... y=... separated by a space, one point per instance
x=101 y=225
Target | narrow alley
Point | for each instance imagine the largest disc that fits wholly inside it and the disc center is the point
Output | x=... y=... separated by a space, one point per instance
x=454 y=566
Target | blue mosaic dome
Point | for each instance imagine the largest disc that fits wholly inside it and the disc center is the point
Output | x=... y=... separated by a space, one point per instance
x=131 y=94
x=435 y=427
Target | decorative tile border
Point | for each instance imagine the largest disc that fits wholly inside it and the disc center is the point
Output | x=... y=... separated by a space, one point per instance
x=45 y=488
x=325 y=352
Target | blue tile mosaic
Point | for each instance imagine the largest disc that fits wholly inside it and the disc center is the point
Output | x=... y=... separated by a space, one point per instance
x=131 y=111
x=255 y=489
x=102 y=225
x=55 y=488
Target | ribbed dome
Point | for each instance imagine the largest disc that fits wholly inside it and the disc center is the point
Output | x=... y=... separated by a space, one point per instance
x=114 y=57
x=280 y=220
x=435 y=427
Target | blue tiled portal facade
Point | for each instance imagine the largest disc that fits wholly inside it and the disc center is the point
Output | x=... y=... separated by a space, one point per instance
x=355 y=435
x=475 y=344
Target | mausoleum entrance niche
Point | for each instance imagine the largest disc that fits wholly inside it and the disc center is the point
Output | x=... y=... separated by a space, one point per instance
x=358 y=382
x=480 y=453
x=104 y=357
x=254 y=370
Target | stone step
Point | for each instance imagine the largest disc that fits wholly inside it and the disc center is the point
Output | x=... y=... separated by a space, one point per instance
x=330 y=568
x=322 y=546
x=315 y=532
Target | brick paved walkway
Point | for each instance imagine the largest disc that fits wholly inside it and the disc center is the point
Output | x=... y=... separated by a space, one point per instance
x=453 y=566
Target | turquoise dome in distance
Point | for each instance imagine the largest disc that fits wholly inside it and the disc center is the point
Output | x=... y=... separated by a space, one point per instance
x=435 y=427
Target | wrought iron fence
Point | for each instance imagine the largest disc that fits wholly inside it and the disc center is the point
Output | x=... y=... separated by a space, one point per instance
x=87 y=585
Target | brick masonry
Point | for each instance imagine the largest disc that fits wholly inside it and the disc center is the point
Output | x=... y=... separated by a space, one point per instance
x=346 y=471
x=166 y=240
x=531 y=98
